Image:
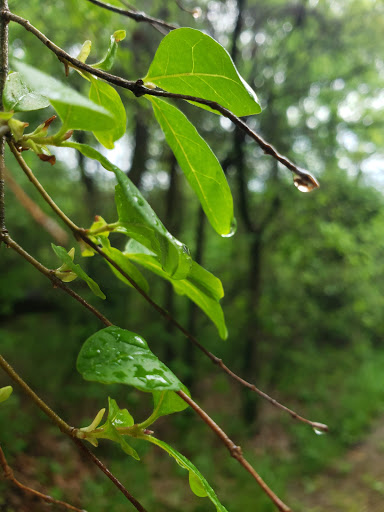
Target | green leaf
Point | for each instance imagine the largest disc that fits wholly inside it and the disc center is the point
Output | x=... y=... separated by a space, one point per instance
x=168 y=402
x=5 y=393
x=85 y=51
x=139 y=221
x=106 y=96
x=199 y=164
x=190 y=62
x=200 y=286
x=198 y=483
x=76 y=111
x=123 y=262
x=74 y=267
x=118 y=418
x=114 y=355
x=107 y=62
x=18 y=96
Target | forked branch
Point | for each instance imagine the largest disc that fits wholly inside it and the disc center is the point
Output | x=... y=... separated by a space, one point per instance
x=81 y=233
x=138 y=88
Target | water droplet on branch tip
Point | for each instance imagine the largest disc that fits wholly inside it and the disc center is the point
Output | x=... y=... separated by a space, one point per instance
x=196 y=12
x=305 y=182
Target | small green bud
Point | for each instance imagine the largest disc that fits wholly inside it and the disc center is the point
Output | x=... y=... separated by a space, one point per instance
x=5 y=393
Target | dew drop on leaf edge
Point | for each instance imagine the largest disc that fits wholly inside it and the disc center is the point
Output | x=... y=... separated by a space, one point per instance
x=232 y=230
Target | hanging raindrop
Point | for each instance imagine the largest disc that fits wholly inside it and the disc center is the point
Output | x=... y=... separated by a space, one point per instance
x=196 y=12
x=319 y=432
x=305 y=182
x=232 y=230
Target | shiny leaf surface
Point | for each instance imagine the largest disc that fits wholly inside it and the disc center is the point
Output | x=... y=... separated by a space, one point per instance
x=190 y=62
x=114 y=355
x=76 y=111
x=200 y=286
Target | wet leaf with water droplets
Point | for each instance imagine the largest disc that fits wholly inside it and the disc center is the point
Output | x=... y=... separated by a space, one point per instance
x=114 y=355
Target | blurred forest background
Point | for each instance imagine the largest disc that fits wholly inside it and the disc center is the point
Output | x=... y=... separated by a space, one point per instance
x=303 y=276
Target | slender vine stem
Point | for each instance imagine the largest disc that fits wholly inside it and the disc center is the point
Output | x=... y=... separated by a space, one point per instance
x=9 y=475
x=234 y=450
x=67 y=429
x=81 y=233
x=3 y=76
x=40 y=188
x=138 y=88
x=134 y=15
x=57 y=283
x=110 y=475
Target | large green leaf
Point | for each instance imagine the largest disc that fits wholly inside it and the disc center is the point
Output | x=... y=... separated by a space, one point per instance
x=117 y=418
x=65 y=258
x=190 y=62
x=114 y=355
x=200 y=286
x=139 y=221
x=76 y=111
x=19 y=97
x=198 y=483
x=106 y=96
x=199 y=164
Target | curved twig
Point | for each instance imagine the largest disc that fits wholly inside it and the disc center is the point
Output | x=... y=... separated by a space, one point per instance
x=66 y=429
x=9 y=475
x=134 y=15
x=234 y=450
x=138 y=89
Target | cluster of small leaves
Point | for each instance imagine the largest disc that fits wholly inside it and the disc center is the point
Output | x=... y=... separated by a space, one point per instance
x=188 y=62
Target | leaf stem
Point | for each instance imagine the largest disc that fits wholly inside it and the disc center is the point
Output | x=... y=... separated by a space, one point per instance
x=234 y=450
x=153 y=416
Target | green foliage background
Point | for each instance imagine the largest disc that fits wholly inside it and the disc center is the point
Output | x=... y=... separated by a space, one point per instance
x=304 y=288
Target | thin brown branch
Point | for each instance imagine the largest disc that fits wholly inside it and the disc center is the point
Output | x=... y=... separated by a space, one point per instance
x=65 y=428
x=106 y=471
x=9 y=475
x=57 y=283
x=40 y=188
x=47 y=222
x=234 y=450
x=134 y=15
x=81 y=233
x=138 y=88
x=3 y=76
